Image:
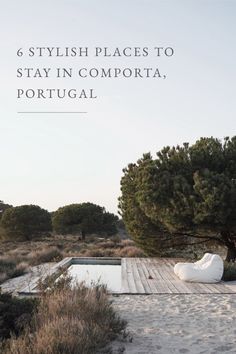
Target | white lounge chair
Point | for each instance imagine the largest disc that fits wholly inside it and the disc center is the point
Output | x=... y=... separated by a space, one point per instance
x=205 y=258
x=209 y=269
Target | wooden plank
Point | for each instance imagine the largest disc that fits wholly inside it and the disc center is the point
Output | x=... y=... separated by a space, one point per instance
x=130 y=278
x=139 y=285
x=193 y=287
x=196 y=288
x=181 y=286
x=142 y=275
x=124 y=280
x=158 y=268
x=160 y=282
x=156 y=276
x=219 y=288
x=201 y=288
x=148 y=274
x=156 y=279
x=167 y=276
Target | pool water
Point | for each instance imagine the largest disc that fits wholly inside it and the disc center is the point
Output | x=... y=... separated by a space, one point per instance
x=109 y=275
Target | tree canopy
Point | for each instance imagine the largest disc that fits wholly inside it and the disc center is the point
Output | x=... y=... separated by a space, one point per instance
x=84 y=218
x=3 y=207
x=25 y=222
x=186 y=195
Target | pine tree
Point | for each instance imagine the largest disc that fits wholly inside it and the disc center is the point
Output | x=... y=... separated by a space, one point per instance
x=186 y=195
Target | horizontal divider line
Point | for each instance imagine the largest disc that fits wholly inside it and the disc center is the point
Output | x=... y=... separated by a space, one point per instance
x=51 y=112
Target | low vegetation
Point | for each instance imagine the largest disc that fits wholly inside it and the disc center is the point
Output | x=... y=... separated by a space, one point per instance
x=229 y=271
x=10 y=268
x=16 y=258
x=52 y=254
x=69 y=321
x=15 y=315
x=18 y=261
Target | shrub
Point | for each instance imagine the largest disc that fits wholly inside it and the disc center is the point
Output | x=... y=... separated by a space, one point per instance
x=15 y=314
x=130 y=251
x=98 y=252
x=229 y=271
x=127 y=242
x=25 y=222
x=45 y=255
x=107 y=244
x=70 y=321
x=9 y=268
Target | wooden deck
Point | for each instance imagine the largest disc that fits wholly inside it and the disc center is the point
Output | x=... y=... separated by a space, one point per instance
x=156 y=276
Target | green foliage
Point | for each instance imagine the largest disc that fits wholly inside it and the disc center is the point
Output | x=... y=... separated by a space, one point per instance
x=3 y=207
x=84 y=218
x=15 y=314
x=229 y=271
x=186 y=195
x=109 y=224
x=25 y=222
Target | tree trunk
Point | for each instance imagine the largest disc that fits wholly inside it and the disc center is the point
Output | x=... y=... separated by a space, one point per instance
x=231 y=253
x=230 y=244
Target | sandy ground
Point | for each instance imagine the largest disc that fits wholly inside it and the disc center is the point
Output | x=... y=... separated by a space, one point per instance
x=166 y=324
x=179 y=323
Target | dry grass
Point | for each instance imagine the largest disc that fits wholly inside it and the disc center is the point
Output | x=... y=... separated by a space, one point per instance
x=16 y=262
x=45 y=255
x=130 y=251
x=11 y=267
x=17 y=257
x=70 y=321
x=109 y=248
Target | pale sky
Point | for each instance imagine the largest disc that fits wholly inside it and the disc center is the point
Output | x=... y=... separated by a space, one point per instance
x=54 y=160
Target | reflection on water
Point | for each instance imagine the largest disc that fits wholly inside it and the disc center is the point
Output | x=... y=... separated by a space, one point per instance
x=110 y=275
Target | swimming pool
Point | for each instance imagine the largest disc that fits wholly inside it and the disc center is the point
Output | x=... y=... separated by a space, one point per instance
x=93 y=274
x=90 y=270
